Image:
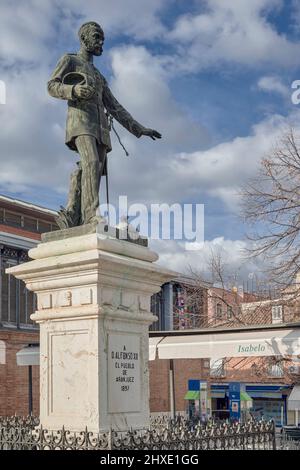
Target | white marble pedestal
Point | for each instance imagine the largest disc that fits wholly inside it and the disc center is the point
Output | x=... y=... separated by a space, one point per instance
x=94 y=313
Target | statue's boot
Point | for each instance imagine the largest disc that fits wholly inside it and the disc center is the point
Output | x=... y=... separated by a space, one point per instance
x=64 y=219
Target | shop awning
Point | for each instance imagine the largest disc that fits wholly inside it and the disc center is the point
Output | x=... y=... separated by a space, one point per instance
x=233 y=344
x=294 y=399
x=28 y=356
x=245 y=397
x=265 y=395
x=153 y=342
x=192 y=395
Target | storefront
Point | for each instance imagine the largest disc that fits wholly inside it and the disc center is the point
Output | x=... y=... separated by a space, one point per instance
x=198 y=400
x=294 y=405
x=258 y=400
x=270 y=402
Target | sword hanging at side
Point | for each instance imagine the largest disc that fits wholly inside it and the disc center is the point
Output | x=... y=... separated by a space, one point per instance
x=112 y=127
x=107 y=192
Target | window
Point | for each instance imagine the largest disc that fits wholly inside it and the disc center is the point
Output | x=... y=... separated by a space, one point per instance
x=229 y=312
x=26 y=304
x=218 y=311
x=275 y=370
x=217 y=368
x=11 y=218
x=277 y=314
x=17 y=303
x=30 y=224
x=44 y=227
x=8 y=294
x=158 y=310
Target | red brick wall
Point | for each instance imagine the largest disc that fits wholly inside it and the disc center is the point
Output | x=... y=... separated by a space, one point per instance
x=184 y=370
x=14 y=378
x=159 y=385
x=19 y=231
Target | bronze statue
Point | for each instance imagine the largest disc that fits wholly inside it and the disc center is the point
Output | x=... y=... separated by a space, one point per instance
x=90 y=103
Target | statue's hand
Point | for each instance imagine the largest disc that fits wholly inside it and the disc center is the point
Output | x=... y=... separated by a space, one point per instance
x=152 y=133
x=84 y=92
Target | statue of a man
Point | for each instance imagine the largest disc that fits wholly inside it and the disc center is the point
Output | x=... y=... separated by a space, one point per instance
x=90 y=101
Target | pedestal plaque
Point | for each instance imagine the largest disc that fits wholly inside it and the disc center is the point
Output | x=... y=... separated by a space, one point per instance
x=124 y=373
x=93 y=294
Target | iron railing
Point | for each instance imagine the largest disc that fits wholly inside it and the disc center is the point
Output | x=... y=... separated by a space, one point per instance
x=289 y=438
x=164 y=434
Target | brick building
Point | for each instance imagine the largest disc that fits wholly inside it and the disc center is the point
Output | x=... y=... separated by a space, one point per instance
x=21 y=225
x=268 y=380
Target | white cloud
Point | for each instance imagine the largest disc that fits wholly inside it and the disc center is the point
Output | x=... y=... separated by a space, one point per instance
x=173 y=255
x=221 y=170
x=149 y=98
x=226 y=32
x=31 y=137
x=24 y=28
x=295 y=16
x=273 y=84
x=28 y=27
x=232 y=32
x=137 y=18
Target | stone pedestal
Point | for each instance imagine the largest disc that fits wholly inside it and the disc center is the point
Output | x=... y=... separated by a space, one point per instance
x=93 y=296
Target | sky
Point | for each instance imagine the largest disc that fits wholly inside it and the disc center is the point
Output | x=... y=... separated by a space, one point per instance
x=213 y=76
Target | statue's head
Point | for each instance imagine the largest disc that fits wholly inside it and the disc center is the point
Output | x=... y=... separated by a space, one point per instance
x=91 y=36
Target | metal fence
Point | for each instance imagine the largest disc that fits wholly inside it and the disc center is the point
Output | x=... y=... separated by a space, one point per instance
x=164 y=434
x=289 y=438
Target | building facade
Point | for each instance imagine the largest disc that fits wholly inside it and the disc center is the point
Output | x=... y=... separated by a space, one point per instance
x=21 y=225
x=266 y=381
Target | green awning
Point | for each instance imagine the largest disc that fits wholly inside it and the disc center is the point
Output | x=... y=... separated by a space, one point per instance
x=192 y=395
x=245 y=397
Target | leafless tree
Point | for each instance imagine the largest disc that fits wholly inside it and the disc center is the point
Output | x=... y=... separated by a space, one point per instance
x=260 y=369
x=220 y=303
x=271 y=207
x=199 y=295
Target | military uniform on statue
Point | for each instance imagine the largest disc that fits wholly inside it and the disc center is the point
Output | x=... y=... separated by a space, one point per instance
x=77 y=80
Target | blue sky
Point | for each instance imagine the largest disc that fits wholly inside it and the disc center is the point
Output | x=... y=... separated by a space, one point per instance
x=214 y=76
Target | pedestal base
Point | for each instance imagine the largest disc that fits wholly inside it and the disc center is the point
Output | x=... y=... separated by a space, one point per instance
x=94 y=314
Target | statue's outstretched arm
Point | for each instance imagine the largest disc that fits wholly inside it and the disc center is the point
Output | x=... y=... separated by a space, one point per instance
x=120 y=114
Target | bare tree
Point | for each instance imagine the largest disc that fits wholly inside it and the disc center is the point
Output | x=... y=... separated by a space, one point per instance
x=201 y=297
x=220 y=303
x=271 y=207
x=190 y=311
